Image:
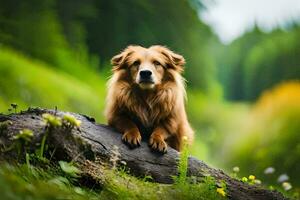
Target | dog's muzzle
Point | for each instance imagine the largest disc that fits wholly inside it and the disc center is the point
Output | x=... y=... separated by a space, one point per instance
x=146 y=77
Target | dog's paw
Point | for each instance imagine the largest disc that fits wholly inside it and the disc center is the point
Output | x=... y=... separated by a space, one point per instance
x=157 y=143
x=132 y=138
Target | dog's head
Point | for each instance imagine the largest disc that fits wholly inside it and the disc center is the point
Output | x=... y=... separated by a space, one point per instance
x=148 y=67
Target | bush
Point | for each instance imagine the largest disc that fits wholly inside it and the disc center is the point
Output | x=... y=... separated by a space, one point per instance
x=271 y=136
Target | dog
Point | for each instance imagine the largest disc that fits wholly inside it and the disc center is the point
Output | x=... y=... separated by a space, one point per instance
x=146 y=96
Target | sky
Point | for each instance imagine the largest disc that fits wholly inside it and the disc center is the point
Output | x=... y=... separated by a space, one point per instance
x=229 y=19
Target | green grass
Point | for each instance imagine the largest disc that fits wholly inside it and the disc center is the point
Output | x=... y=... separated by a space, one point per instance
x=32 y=83
x=17 y=182
x=213 y=120
x=48 y=180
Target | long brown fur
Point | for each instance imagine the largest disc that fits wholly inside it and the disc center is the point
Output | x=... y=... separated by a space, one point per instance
x=132 y=110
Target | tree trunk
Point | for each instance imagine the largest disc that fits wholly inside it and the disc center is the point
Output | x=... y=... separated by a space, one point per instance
x=94 y=141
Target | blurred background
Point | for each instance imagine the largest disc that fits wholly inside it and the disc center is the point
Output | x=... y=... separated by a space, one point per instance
x=243 y=68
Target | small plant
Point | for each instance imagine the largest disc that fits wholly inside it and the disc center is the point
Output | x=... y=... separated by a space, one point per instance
x=70 y=121
x=51 y=120
x=183 y=163
x=69 y=169
x=24 y=135
x=4 y=125
x=115 y=156
x=21 y=140
x=235 y=171
x=245 y=179
x=219 y=188
x=221 y=191
x=14 y=107
x=251 y=180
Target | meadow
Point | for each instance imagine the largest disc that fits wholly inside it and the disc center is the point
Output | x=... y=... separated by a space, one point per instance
x=243 y=98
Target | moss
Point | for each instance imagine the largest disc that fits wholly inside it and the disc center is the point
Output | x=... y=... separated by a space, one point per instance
x=71 y=121
x=4 y=125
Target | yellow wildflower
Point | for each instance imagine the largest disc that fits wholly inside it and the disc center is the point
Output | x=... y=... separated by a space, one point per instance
x=221 y=191
x=251 y=177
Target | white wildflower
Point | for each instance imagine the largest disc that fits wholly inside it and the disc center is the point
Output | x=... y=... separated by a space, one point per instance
x=286 y=186
x=283 y=178
x=269 y=170
x=236 y=169
x=257 y=181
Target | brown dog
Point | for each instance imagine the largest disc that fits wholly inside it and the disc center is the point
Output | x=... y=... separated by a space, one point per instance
x=146 y=94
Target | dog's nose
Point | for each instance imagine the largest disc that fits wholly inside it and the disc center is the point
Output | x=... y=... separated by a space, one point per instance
x=145 y=74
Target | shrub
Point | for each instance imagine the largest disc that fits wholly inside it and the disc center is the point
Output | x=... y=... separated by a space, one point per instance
x=271 y=136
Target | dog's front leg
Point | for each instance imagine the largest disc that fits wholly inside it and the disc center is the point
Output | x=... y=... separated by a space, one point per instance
x=131 y=134
x=157 y=139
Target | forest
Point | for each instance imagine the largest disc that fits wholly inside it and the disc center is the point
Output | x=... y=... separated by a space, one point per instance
x=243 y=97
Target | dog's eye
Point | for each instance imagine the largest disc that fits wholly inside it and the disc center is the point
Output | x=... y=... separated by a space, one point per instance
x=156 y=63
x=136 y=63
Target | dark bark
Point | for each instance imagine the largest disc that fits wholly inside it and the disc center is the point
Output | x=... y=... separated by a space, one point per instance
x=93 y=140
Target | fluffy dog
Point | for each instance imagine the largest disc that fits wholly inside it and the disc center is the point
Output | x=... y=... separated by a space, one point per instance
x=146 y=96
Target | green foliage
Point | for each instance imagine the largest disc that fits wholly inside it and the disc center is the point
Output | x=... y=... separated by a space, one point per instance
x=257 y=61
x=213 y=120
x=183 y=163
x=24 y=135
x=64 y=34
x=21 y=141
x=273 y=60
x=128 y=187
x=35 y=29
x=272 y=126
x=206 y=190
x=18 y=183
x=68 y=122
x=32 y=83
x=14 y=107
x=4 y=125
x=185 y=187
x=69 y=169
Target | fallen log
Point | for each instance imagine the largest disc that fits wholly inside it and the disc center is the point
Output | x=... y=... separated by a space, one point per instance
x=93 y=141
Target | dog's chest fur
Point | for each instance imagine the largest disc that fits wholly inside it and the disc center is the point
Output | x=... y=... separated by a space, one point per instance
x=151 y=108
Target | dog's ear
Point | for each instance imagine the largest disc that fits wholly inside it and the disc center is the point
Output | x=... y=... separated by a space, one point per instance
x=119 y=61
x=175 y=61
x=116 y=60
x=178 y=61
